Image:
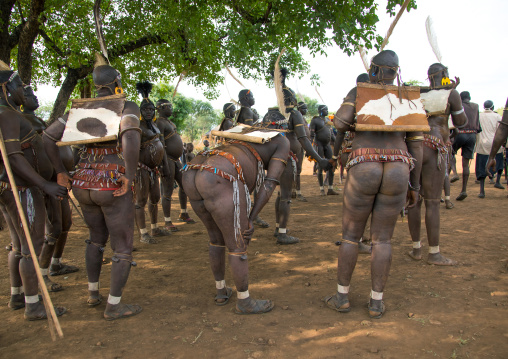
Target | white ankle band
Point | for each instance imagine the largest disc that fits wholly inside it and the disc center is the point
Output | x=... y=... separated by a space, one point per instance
x=183 y=211
x=44 y=271
x=31 y=299
x=447 y=198
x=298 y=191
x=434 y=249
x=330 y=187
x=322 y=188
x=276 y=225
x=342 y=289
x=417 y=245
x=56 y=260
x=93 y=286
x=154 y=225
x=167 y=219
x=243 y=295
x=17 y=290
x=113 y=300
x=220 y=284
x=143 y=230
x=282 y=230
x=376 y=295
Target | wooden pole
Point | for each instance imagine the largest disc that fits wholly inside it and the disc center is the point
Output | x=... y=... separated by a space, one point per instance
x=45 y=294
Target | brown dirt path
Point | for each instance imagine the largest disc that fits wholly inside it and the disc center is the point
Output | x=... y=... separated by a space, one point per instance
x=459 y=312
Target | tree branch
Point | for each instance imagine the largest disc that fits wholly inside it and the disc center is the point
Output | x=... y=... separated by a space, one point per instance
x=51 y=43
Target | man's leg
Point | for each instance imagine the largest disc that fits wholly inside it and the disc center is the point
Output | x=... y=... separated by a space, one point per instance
x=153 y=209
x=57 y=267
x=142 y=188
x=286 y=183
x=167 y=184
x=184 y=215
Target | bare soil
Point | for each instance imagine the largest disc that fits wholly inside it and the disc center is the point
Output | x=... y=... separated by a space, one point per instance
x=443 y=312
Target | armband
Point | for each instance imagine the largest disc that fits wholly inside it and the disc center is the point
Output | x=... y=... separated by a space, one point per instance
x=457 y=112
x=130 y=115
x=279 y=159
x=15 y=152
x=49 y=136
x=129 y=129
x=12 y=140
x=335 y=157
x=345 y=122
x=62 y=121
x=348 y=104
x=416 y=189
x=414 y=138
x=272 y=179
x=300 y=124
x=505 y=109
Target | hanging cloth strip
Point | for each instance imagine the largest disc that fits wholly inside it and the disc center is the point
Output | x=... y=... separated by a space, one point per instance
x=438 y=145
x=30 y=208
x=153 y=173
x=230 y=178
x=379 y=155
x=260 y=175
x=97 y=176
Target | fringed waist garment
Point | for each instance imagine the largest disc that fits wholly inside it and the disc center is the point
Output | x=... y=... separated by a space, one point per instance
x=153 y=173
x=96 y=154
x=379 y=155
x=260 y=175
x=30 y=208
x=438 y=145
x=98 y=176
x=230 y=178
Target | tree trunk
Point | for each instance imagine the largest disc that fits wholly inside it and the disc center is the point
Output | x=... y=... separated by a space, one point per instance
x=27 y=39
x=70 y=82
x=5 y=38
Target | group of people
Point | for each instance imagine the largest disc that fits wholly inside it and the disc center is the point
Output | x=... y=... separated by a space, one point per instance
x=388 y=162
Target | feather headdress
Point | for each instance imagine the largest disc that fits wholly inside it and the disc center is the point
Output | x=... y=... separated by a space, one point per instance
x=431 y=35
x=144 y=88
x=98 y=28
x=278 y=85
x=100 y=60
x=392 y=25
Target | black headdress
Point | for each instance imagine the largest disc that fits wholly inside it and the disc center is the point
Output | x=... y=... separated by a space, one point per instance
x=144 y=88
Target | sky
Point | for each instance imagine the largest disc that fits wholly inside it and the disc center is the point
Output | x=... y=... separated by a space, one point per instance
x=472 y=40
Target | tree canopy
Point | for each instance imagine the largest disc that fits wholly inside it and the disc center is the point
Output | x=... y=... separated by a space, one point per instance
x=53 y=41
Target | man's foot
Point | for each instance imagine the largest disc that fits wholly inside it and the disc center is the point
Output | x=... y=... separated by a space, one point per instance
x=331 y=192
x=184 y=217
x=148 y=239
x=17 y=301
x=454 y=178
x=160 y=232
x=376 y=308
x=338 y=302
x=94 y=299
x=499 y=185
x=481 y=195
x=364 y=248
x=276 y=232
x=301 y=198
x=449 y=204
x=440 y=260
x=415 y=253
x=37 y=311
x=322 y=192
x=52 y=286
x=283 y=238
x=253 y=306
x=121 y=310
x=462 y=196
x=171 y=227
x=61 y=269
x=260 y=223
x=223 y=295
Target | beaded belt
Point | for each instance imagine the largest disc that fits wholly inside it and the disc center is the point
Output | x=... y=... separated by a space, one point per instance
x=379 y=155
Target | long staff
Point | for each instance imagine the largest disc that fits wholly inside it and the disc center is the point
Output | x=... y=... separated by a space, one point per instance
x=53 y=319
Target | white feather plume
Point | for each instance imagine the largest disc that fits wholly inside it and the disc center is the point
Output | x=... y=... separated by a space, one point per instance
x=363 y=55
x=431 y=35
x=277 y=82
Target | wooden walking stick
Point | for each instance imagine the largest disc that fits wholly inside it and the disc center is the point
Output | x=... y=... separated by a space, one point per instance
x=48 y=304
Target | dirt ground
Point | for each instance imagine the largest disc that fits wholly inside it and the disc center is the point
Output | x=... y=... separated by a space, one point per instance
x=457 y=312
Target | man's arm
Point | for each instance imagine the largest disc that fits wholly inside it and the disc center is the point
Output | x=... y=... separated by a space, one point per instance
x=414 y=141
x=499 y=138
x=299 y=130
x=459 y=117
x=50 y=137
